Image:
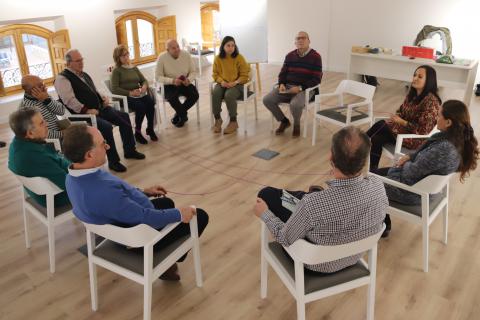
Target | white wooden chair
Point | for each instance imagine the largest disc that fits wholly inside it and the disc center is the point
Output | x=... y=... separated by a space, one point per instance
x=107 y=83
x=309 y=287
x=433 y=191
x=391 y=150
x=343 y=115
x=143 y=268
x=160 y=92
x=249 y=94
x=49 y=216
x=309 y=103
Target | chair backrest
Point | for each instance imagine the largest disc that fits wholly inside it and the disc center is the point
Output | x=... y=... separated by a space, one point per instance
x=137 y=236
x=309 y=253
x=39 y=185
x=433 y=184
x=108 y=84
x=356 y=88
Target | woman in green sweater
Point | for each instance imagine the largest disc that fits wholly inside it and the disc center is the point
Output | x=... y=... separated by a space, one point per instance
x=128 y=81
x=230 y=72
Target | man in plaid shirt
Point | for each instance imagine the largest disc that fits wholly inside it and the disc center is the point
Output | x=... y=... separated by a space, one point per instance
x=352 y=208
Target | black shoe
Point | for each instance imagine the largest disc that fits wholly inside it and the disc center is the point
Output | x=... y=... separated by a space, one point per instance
x=151 y=133
x=117 y=167
x=140 y=138
x=175 y=119
x=477 y=92
x=315 y=188
x=180 y=122
x=283 y=126
x=2 y=144
x=134 y=155
x=388 y=226
x=386 y=233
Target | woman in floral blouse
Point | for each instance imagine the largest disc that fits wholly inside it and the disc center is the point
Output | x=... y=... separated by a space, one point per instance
x=417 y=115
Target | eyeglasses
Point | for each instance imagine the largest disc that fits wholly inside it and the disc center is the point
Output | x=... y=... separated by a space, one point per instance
x=126 y=54
x=301 y=38
x=78 y=60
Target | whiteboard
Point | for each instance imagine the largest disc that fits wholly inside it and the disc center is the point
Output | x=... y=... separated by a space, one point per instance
x=246 y=22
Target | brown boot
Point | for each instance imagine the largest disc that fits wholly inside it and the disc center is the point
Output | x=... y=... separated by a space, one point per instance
x=283 y=126
x=217 y=127
x=171 y=274
x=296 y=131
x=231 y=127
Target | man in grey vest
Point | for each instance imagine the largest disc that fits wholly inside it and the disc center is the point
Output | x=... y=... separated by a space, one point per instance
x=78 y=92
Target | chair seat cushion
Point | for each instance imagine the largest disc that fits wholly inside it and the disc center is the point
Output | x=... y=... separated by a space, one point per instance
x=58 y=211
x=132 y=258
x=315 y=281
x=340 y=114
x=435 y=200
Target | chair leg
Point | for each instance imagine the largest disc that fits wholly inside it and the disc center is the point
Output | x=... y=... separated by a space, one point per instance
x=256 y=109
x=263 y=276
x=305 y=121
x=157 y=114
x=197 y=264
x=445 y=224
x=198 y=112
x=25 y=225
x=92 y=270
x=314 y=131
x=147 y=282
x=425 y=247
x=164 y=115
x=51 y=246
x=300 y=290
x=300 y=310
x=245 y=118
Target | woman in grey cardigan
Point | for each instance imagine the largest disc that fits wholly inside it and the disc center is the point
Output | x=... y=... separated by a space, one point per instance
x=454 y=148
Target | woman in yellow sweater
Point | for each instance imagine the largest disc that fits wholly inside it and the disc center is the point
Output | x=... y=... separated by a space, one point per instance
x=230 y=72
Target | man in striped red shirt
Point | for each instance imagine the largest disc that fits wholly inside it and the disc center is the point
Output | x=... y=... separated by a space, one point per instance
x=302 y=69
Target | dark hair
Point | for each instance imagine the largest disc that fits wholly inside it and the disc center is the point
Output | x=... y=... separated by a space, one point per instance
x=77 y=141
x=222 y=53
x=461 y=135
x=430 y=86
x=21 y=121
x=350 y=150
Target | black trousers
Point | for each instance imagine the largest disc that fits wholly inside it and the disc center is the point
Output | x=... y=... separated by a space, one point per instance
x=108 y=116
x=143 y=106
x=182 y=229
x=380 y=134
x=272 y=196
x=173 y=94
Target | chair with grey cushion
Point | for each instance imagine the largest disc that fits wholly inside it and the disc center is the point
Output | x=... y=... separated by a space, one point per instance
x=345 y=114
x=433 y=191
x=49 y=216
x=117 y=253
x=306 y=285
x=393 y=151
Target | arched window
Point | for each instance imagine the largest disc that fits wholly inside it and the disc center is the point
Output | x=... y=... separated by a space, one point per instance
x=30 y=49
x=136 y=29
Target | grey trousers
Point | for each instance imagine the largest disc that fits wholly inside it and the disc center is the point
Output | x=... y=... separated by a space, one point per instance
x=230 y=95
x=297 y=103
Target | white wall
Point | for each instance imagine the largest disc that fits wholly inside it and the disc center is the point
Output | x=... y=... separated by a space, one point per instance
x=91 y=24
x=286 y=18
x=396 y=23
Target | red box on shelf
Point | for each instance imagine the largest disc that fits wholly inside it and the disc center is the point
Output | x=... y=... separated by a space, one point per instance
x=418 y=52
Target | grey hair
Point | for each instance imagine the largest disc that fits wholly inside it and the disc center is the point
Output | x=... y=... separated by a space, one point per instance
x=68 y=55
x=21 y=121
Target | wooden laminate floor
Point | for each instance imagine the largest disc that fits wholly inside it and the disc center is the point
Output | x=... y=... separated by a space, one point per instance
x=219 y=174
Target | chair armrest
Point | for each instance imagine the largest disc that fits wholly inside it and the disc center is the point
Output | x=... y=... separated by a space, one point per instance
x=162 y=233
x=90 y=117
x=56 y=143
x=307 y=94
x=358 y=104
x=399 y=185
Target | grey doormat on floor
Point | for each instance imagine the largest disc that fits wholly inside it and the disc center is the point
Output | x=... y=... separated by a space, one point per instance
x=265 y=154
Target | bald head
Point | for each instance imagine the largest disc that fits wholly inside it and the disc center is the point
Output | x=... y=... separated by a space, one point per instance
x=350 y=150
x=29 y=82
x=302 y=41
x=173 y=48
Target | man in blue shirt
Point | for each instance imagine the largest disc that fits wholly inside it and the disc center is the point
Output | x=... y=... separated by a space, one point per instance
x=98 y=197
